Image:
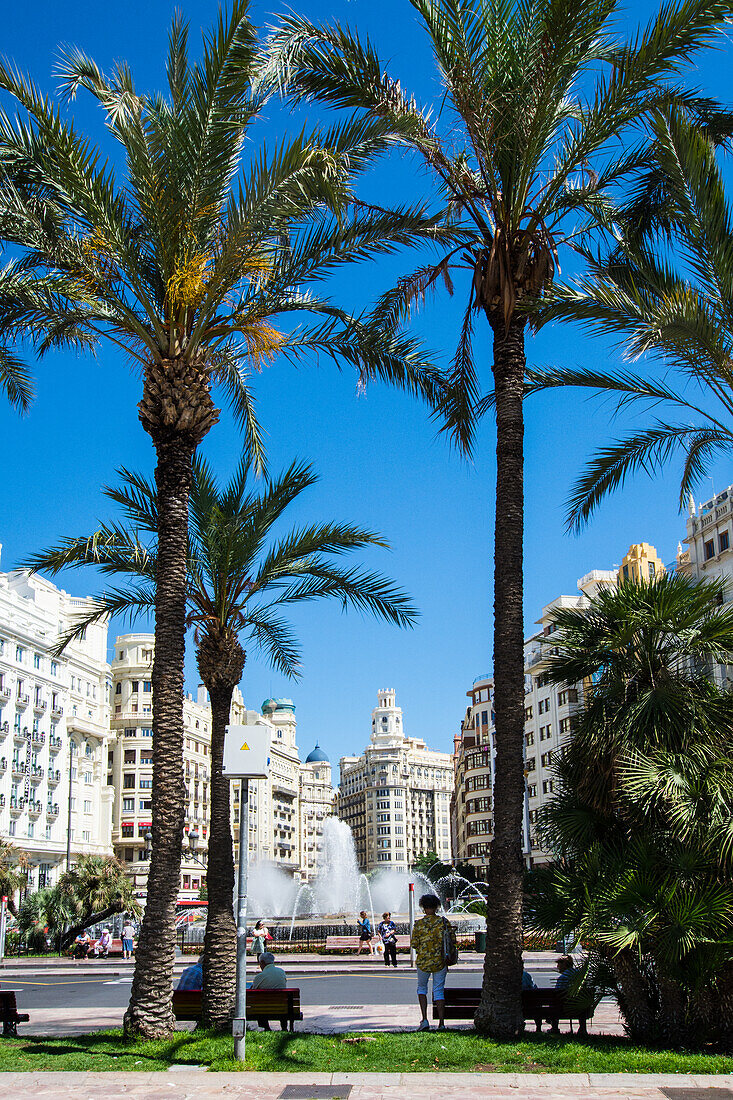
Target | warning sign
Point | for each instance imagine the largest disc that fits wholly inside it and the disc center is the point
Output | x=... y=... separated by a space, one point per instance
x=247 y=751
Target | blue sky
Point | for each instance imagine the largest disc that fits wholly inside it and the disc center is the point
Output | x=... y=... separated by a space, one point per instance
x=380 y=461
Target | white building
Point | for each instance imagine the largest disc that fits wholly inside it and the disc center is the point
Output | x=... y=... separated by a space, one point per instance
x=287 y=810
x=396 y=795
x=130 y=766
x=54 y=728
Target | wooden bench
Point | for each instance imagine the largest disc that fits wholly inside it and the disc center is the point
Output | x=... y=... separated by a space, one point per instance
x=262 y=1005
x=552 y=1005
x=350 y=943
x=9 y=1012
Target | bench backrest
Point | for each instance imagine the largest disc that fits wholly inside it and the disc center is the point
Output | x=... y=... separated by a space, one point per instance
x=8 y=1005
x=187 y=1002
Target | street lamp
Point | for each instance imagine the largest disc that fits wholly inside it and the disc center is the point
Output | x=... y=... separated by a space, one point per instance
x=190 y=852
x=147 y=850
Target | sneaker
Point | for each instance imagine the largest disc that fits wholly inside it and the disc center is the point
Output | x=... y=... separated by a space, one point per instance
x=441 y=1026
x=424 y=1026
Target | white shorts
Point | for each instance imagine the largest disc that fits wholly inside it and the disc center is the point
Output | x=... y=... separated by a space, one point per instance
x=438 y=982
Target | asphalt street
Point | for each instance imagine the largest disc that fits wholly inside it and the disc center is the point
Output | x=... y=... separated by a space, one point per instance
x=44 y=990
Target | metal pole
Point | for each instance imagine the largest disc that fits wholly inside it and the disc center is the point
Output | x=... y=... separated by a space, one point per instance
x=68 y=821
x=3 y=914
x=240 y=1013
x=411 y=917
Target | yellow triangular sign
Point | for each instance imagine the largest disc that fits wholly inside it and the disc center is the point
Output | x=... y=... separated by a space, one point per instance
x=245 y=747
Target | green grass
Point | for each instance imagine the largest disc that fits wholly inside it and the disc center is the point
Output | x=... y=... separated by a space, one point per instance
x=375 y=1052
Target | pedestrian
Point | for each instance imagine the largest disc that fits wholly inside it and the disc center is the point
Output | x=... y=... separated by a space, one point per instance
x=427 y=940
x=260 y=935
x=193 y=976
x=270 y=977
x=566 y=972
x=387 y=930
x=128 y=938
x=365 y=933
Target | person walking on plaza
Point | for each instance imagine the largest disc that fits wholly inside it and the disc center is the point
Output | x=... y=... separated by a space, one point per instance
x=427 y=941
x=387 y=930
x=128 y=938
x=365 y=933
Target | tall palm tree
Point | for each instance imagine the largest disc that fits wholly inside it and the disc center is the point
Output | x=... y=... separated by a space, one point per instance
x=531 y=94
x=662 y=283
x=240 y=576
x=184 y=258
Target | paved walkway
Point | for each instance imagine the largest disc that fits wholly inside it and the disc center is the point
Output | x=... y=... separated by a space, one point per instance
x=185 y=1084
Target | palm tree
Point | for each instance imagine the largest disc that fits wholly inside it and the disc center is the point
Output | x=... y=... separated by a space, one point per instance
x=662 y=282
x=94 y=889
x=13 y=873
x=640 y=822
x=531 y=93
x=184 y=258
x=239 y=577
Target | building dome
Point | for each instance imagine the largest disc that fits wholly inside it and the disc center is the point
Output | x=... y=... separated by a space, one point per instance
x=317 y=756
x=269 y=706
x=283 y=704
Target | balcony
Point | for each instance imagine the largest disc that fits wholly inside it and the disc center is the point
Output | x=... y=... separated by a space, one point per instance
x=54 y=777
x=39 y=706
x=35 y=808
x=17 y=769
x=52 y=810
x=5 y=694
x=37 y=773
x=4 y=729
x=3 y=765
x=55 y=743
x=22 y=700
x=2 y=800
x=38 y=738
x=57 y=712
x=19 y=735
x=17 y=805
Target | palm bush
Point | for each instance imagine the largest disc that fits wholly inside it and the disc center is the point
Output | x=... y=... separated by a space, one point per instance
x=240 y=577
x=188 y=257
x=640 y=823
x=522 y=148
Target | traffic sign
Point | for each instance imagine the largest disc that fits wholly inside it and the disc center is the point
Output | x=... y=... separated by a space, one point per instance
x=247 y=751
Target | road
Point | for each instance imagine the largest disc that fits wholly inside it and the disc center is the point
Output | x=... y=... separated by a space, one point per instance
x=43 y=990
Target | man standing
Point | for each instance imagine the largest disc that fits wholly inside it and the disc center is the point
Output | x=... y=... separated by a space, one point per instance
x=427 y=942
x=387 y=930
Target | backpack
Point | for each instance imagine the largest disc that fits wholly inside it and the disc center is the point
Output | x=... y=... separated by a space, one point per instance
x=450 y=950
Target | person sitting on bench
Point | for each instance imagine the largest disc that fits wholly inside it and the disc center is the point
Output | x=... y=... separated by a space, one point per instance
x=103 y=944
x=270 y=977
x=82 y=945
x=193 y=976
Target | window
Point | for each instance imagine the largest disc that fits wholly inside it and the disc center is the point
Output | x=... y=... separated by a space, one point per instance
x=130 y=756
x=87 y=806
x=127 y=830
x=709 y=550
x=527 y=714
x=146 y=731
x=147 y=654
x=570 y=695
x=128 y=805
x=54 y=668
x=546 y=759
x=146 y=784
x=566 y=725
x=118 y=688
x=88 y=778
x=147 y=686
x=547 y=786
x=11 y=827
x=652 y=570
x=36 y=660
x=723 y=541
x=86 y=835
x=626 y=572
x=31 y=829
x=135 y=684
x=128 y=781
x=532 y=790
x=530 y=764
x=19 y=653
x=129 y=855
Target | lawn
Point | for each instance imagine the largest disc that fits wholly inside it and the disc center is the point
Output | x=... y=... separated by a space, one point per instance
x=378 y=1052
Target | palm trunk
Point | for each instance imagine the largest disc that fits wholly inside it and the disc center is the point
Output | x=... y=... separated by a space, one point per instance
x=220 y=661
x=500 y=1012
x=177 y=411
